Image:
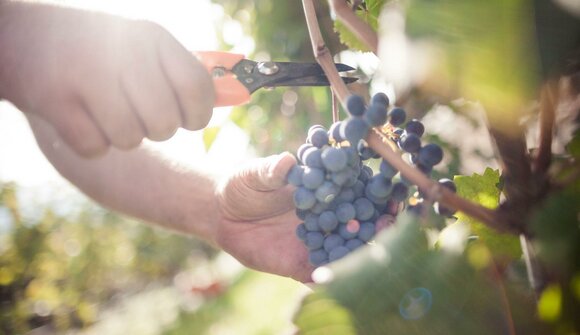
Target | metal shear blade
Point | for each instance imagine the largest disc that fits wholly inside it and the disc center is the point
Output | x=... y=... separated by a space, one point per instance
x=254 y=75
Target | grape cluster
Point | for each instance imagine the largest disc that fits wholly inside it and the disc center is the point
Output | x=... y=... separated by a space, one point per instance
x=338 y=197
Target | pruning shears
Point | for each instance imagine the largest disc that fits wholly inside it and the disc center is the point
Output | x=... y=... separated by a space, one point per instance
x=236 y=78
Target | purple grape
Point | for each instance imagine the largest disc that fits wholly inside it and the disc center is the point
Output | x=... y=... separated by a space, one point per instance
x=364 y=209
x=367 y=231
x=397 y=116
x=327 y=221
x=301 y=231
x=380 y=98
x=327 y=192
x=338 y=253
x=332 y=241
x=430 y=155
x=334 y=159
x=354 y=129
x=410 y=142
x=354 y=244
x=312 y=178
x=318 y=257
x=376 y=115
x=355 y=105
x=345 y=212
x=415 y=127
x=295 y=175
x=318 y=137
x=387 y=170
x=304 y=198
x=314 y=240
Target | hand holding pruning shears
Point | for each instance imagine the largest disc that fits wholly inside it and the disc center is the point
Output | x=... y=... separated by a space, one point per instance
x=111 y=82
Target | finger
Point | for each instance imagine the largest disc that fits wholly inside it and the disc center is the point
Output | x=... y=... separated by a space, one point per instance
x=78 y=130
x=270 y=173
x=148 y=89
x=190 y=82
x=110 y=108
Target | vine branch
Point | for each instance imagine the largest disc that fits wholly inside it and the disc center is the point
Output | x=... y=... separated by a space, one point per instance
x=375 y=140
x=361 y=29
x=322 y=54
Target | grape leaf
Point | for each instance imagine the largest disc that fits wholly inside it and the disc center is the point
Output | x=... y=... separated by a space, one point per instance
x=483 y=189
x=400 y=286
x=369 y=13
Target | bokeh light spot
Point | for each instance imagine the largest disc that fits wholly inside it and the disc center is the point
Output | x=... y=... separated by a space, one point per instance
x=416 y=303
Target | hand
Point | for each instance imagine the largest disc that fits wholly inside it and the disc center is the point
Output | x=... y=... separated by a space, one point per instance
x=258 y=219
x=100 y=80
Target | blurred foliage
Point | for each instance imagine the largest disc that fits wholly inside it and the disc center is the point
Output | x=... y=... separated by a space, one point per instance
x=401 y=285
x=59 y=271
x=369 y=12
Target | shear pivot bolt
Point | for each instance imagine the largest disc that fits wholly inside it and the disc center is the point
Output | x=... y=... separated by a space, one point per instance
x=268 y=68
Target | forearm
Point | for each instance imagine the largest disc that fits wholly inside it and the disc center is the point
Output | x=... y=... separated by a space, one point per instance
x=138 y=183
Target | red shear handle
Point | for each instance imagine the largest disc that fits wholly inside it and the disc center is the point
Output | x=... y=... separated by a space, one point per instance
x=229 y=91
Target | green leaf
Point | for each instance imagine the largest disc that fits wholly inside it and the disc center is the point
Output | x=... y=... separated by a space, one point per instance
x=369 y=14
x=486 y=51
x=400 y=286
x=320 y=314
x=209 y=136
x=483 y=189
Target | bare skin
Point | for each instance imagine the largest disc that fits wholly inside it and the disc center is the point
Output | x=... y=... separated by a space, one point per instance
x=100 y=80
x=94 y=85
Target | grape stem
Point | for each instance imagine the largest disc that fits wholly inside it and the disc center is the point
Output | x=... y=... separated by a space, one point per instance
x=375 y=139
x=430 y=187
x=322 y=54
x=364 y=32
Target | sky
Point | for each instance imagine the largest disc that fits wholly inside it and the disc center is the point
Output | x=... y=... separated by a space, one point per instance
x=192 y=23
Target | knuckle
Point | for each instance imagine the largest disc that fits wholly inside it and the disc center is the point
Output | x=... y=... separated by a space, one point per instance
x=162 y=131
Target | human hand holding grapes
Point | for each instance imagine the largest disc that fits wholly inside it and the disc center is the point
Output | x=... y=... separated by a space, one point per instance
x=258 y=219
x=100 y=80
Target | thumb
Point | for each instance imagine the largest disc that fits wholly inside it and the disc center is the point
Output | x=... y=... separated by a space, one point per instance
x=269 y=173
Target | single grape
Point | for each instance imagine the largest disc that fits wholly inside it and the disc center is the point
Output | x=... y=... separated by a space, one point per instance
x=449 y=184
x=314 y=240
x=415 y=127
x=364 y=151
x=341 y=177
x=312 y=157
x=358 y=189
x=441 y=209
x=327 y=221
x=301 y=231
x=354 y=244
x=365 y=174
x=346 y=232
x=387 y=170
x=301 y=213
x=334 y=159
x=338 y=253
x=318 y=257
x=304 y=198
x=400 y=191
x=353 y=159
x=379 y=186
x=312 y=178
x=318 y=137
x=295 y=175
x=364 y=209
x=397 y=116
x=430 y=155
x=319 y=207
x=355 y=105
x=376 y=115
x=367 y=231
x=346 y=195
x=334 y=132
x=327 y=192
x=345 y=212
x=311 y=222
x=380 y=98
x=410 y=142
x=332 y=241
x=301 y=150
x=354 y=129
